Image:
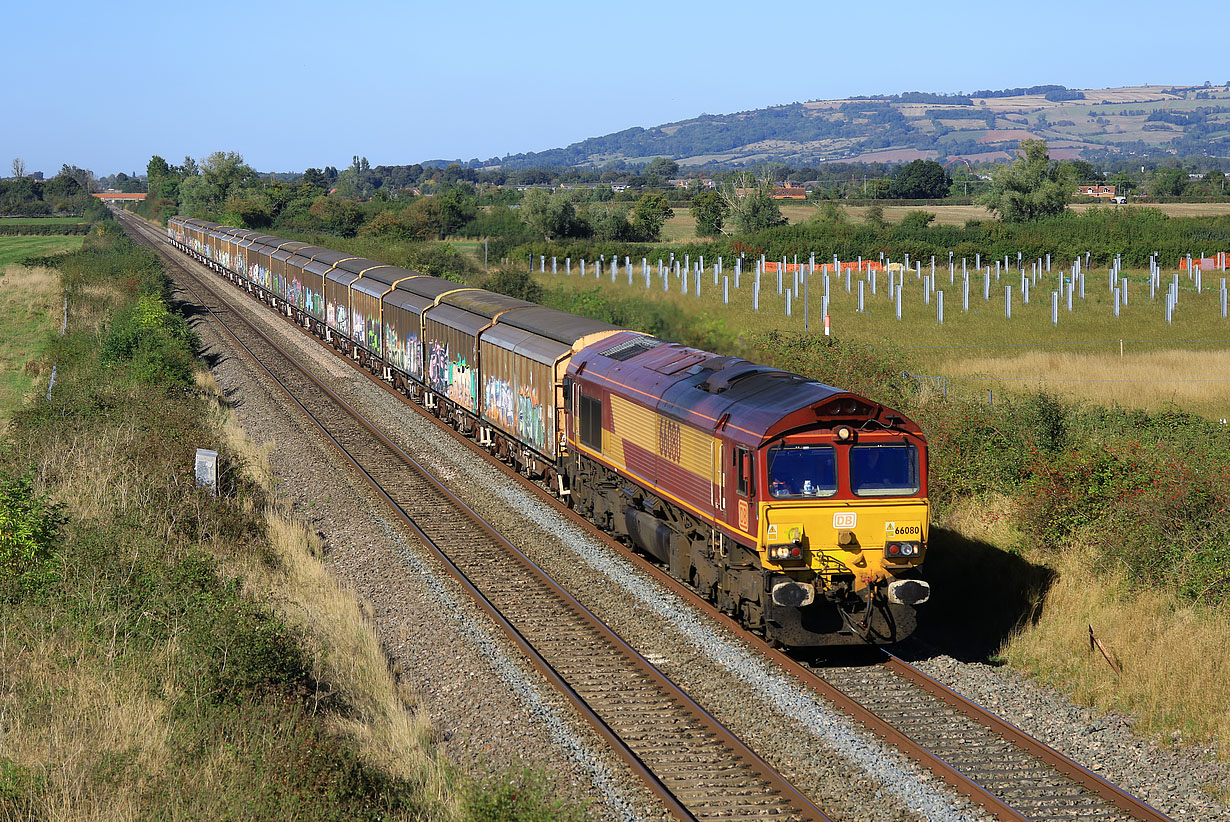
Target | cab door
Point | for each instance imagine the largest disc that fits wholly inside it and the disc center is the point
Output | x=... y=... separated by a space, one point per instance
x=742 y=464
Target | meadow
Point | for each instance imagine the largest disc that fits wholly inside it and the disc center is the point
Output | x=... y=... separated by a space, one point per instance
x=15 y=248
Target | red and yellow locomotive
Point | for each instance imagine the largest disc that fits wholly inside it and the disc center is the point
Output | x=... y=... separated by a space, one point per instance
x=794 y=505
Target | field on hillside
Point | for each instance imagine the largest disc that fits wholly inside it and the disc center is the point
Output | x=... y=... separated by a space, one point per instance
x=1135 y=359
x=14 y=248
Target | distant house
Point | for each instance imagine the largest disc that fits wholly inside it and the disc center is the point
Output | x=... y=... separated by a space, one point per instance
x=1101 y=192
x=618 y=187
x=678 y=182
x=785 y=191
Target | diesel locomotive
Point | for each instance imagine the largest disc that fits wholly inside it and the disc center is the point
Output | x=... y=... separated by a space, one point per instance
x=797 y=507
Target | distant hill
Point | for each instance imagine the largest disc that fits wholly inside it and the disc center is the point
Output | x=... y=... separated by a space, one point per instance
x=983 y=126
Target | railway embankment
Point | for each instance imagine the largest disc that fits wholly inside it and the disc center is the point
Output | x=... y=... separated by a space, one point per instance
x=168 y=649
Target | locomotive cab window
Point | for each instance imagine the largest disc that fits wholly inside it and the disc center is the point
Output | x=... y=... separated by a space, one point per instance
x=884 y=470
x=590 y=422
x=797 y=471
x=745 y=470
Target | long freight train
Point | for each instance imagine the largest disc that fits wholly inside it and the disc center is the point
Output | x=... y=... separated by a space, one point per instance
x=795 y=506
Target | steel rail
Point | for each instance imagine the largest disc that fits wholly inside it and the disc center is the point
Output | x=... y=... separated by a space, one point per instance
x=1044 y=753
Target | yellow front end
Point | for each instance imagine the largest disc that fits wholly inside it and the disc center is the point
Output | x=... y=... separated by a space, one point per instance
x=844 y=538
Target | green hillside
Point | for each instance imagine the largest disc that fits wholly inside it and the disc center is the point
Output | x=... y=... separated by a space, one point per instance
x=983 y=126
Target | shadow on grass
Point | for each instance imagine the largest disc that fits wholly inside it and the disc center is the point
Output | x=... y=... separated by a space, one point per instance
x=980 y=595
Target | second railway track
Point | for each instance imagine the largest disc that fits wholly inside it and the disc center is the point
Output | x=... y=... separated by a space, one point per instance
x=1012 y=776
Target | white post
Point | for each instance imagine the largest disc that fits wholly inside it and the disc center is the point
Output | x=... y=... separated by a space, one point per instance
x=1054 y=308
x=939 y=306
x=726 y=293
x=1008 y=302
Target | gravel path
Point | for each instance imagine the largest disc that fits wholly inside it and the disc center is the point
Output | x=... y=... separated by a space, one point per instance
x=491 y=710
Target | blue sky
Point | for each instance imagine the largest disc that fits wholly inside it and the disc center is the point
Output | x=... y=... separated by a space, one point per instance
x=293 y=85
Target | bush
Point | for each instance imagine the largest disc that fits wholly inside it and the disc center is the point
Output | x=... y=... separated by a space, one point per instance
x=515 y=282
x=29 y=524
x=157 y=344
x=517 y=797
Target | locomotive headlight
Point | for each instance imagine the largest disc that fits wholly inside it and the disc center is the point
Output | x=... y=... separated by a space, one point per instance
x=844 y=434
x=902 y=550
x=785 y=553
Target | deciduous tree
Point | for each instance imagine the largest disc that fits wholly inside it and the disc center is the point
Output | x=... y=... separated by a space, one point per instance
x=1031 y=187
x=920 y=180
x=751 y=206
x=649 y=215
x=709 y=210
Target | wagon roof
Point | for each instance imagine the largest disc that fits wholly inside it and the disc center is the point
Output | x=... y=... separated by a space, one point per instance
x=554 y=324
x=484 y=303
x=358 y=264
x=429 y=287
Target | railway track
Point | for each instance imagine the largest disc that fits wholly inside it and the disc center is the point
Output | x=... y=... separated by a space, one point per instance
x=959 y=740
x=1007 y=772
x=697 y=767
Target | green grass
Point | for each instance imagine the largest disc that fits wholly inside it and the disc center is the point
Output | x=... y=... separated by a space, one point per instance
x=14 y=249
x=41 y=220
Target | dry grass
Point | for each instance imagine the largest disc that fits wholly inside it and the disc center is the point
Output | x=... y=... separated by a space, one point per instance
x=1194 y=380
x=28 y=299
x=63 y=719
x=1175 y=679
x=384 y=718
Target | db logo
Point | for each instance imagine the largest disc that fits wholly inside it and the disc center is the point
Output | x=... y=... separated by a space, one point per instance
x=845 y=519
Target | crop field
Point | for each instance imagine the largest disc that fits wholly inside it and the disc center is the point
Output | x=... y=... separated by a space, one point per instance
x=1136 y=359
x=27 y=315
x=14 y=248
